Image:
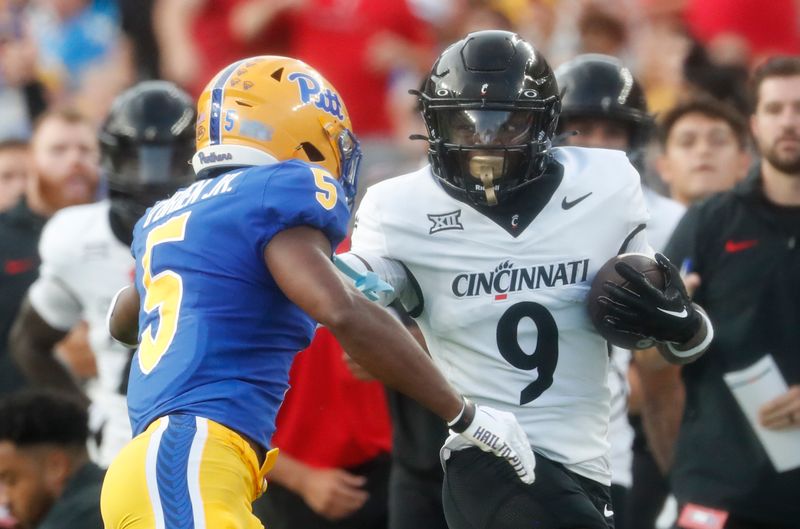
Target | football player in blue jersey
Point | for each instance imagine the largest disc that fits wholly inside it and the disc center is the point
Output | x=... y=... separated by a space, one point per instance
x=232 y=275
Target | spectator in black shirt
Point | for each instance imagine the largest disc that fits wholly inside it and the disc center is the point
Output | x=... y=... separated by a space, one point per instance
x=66 y=166
x=45 y=469
x=742 y=246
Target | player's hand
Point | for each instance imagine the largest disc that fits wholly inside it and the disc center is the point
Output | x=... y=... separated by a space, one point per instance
x=499 y=432
x=333 y=493
x=642 y=309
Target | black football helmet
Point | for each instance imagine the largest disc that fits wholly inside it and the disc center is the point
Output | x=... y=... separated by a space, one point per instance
x=600 y=86
x=490 y=105
x=146 y=143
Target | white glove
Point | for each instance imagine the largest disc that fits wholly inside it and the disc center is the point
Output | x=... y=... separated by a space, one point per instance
x=497 y=432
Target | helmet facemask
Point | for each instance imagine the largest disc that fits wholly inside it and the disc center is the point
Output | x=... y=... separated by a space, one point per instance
x=490 y=105
x=489 y=153
x=146 y=143
x=141 y=174
x=348 y=150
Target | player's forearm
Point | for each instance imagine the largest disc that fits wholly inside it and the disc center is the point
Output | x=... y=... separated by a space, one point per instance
x=663 y=398
x=31 y=344
x=380 y=344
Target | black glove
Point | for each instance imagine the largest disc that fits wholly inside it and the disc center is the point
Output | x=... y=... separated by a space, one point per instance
x=644 y=310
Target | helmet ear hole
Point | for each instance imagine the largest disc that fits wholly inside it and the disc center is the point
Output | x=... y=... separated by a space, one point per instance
x=312 y=153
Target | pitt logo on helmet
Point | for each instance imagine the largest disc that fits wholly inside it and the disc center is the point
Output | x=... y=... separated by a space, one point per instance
x=269 y=109
x=311 y=91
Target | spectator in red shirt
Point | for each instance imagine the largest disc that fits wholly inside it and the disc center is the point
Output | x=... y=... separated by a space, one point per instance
x=742 y=26
x=196 y=38
x=381 y=48
x=334 y=435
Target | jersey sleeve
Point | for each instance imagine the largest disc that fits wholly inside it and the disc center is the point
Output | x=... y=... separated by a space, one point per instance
x=638 y=215
x=51 y=295
x=369 y=249
x=300 y=194
x=368 y=235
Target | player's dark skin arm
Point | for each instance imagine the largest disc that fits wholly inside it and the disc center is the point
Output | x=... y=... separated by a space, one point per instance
x=663 y=398
x=299 y=261
x=31 y=344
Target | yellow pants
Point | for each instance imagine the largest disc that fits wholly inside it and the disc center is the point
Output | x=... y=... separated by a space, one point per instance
x=184 y=472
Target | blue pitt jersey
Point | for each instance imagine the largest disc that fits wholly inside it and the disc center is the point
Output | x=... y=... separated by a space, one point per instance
x=217 y=335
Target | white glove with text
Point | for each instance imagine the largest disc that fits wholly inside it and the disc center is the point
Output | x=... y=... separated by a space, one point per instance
x=497 y=432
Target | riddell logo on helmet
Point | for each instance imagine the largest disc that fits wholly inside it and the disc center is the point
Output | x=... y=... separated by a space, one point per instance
x=214 y=157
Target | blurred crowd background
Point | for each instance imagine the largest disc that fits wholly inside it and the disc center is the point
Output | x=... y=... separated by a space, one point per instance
x=81 y=53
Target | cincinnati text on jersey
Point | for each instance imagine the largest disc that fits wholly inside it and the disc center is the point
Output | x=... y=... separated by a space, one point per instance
x=505 y=279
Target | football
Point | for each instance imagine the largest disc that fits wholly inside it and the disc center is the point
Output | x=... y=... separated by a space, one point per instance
x=607 y=272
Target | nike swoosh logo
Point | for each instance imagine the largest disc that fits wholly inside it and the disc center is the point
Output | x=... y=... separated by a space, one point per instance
x=567 y=204
x=681 y=314
x=608 y=513
x=737 y=246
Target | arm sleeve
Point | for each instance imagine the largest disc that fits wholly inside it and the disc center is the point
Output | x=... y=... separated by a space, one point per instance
x=389 y=270
x=369 y=252
x=51 y=295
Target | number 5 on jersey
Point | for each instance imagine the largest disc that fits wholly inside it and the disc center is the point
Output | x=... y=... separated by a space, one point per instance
x=327 y=194
x=163 y=292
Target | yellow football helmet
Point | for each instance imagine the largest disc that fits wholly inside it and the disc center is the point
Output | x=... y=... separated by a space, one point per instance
x=267 y=109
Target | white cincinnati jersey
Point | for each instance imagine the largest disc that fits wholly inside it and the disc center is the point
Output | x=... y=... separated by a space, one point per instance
x=83 y=266
x=505 y=317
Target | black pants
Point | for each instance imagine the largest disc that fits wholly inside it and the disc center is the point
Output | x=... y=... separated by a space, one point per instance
x=415 y=499
x=481 y=491
x=619 y=497
x=648 y=494
x=281 y=508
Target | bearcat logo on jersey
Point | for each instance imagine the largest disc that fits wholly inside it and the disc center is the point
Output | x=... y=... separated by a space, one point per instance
x=445 y=221
x=506 y=279
x=311 y=92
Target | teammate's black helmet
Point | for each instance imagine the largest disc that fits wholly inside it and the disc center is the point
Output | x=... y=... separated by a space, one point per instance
x=490 y=105
x=599 y=86
x=146 y=144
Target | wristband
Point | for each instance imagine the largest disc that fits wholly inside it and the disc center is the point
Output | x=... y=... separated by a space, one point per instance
x=699 y=347
x=464 y=418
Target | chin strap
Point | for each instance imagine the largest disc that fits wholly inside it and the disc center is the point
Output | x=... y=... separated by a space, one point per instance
x=484 y=168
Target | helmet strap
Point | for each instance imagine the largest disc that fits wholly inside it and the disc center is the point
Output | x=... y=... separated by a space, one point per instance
x=484 y=168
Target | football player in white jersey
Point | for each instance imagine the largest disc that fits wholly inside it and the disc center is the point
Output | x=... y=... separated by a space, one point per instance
x=603 y=106
x=492 y=249
x=146 y=143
